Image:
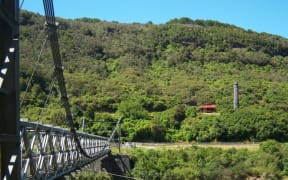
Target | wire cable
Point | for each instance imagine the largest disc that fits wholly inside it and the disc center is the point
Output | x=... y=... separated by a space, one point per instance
x=28 y=84
x=44 y=105
x=20 y=7
x=58 y=71
x=48 y=96
x=51 y=30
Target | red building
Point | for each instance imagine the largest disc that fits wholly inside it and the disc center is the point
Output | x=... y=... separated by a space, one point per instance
x=211 y=108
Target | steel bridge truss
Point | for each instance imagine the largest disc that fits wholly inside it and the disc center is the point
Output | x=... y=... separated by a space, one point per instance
x=49 y=152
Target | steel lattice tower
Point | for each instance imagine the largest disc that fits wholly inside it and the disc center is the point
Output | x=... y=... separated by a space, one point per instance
x=10 y=155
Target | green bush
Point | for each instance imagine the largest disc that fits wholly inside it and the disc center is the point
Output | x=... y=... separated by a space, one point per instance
x=209 y=163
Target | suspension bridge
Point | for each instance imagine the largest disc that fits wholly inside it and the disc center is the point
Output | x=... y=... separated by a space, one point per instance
x=30 y=150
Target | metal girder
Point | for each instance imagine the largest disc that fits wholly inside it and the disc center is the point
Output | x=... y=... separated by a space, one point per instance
x=10 y=156
x=50 y=152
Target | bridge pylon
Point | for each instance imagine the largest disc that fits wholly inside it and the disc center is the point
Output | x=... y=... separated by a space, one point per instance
x=10 y=166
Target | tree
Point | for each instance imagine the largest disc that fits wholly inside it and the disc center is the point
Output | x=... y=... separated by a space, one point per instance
x=133 y=109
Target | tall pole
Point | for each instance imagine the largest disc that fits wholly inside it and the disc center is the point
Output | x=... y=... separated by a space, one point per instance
x=83 y=123
x=119 y=138
x=10 y=155
x=236 y=96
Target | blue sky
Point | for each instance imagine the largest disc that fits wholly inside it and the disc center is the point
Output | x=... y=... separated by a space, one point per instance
x=268 y=16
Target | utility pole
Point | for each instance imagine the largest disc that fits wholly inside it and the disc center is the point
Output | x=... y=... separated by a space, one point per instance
x=10 y=156
x=119 y=139
x=83 y=123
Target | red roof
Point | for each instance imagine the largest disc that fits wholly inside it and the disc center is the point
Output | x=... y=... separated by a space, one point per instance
x=209 y=106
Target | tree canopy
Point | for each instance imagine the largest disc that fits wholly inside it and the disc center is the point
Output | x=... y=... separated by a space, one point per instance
x=157 y=76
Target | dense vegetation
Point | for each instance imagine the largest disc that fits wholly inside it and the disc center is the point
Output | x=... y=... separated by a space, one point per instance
x=156 y=76
x=269 y=162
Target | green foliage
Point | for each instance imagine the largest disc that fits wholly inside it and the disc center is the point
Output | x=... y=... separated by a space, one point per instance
x=270 y=147
x=210 y=163
x=93 y=176
x=132 y=108
x=157 y=76
x=103 y=124
x=256 y=124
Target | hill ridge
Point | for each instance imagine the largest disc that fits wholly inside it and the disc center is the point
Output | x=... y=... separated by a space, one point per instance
x=157 y=76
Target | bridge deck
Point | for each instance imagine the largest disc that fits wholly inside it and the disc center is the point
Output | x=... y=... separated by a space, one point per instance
x=49 y=152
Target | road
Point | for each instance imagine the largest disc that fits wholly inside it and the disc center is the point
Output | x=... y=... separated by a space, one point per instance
x=223 y=145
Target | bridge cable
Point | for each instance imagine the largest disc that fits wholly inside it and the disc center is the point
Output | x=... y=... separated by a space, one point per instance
x=20 y=7
x=51 y=26
x=48 y=96
x=115 y=129
x=45 y=103
x=28 y=84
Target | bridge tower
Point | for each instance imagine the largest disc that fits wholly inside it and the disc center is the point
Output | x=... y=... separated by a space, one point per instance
x=10 y=159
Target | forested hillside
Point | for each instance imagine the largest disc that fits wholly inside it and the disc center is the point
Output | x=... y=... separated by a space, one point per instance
x=157 y=76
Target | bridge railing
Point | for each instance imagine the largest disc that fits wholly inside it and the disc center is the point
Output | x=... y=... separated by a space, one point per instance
x=50 y=152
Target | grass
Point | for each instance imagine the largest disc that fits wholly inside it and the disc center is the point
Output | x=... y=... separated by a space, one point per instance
x=177 y=146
